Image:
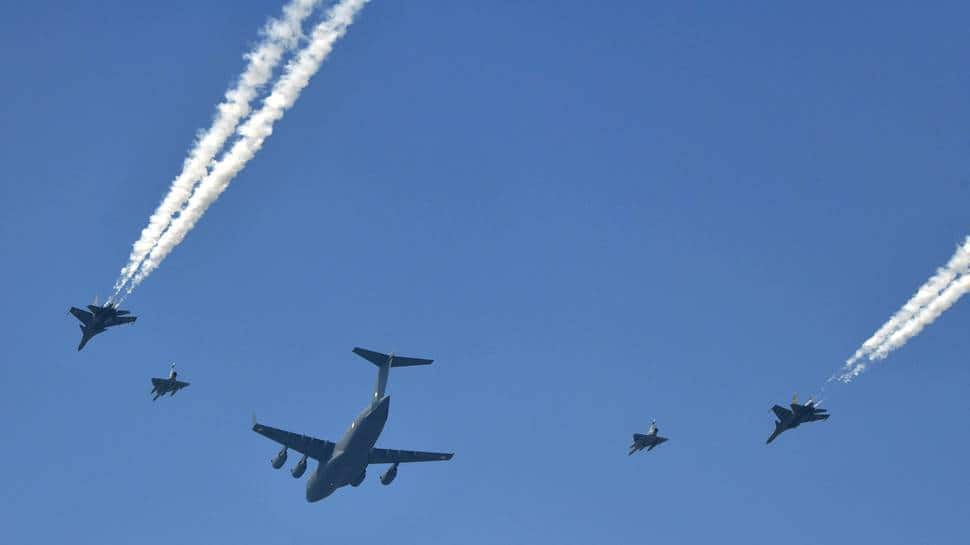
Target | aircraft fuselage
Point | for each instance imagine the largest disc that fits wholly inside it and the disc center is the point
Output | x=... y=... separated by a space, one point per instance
x=348 y=462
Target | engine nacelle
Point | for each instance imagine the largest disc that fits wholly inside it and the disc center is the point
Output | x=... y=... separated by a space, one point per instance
x=299 y=468
x=388 y=476
x=358 y=480
x=279 y=459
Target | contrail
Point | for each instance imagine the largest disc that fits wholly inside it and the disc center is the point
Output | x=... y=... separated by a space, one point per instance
x=279 y=36
x=254 y=131
x=939 y=293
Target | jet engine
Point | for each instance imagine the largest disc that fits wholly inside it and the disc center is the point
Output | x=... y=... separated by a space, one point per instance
x=299 y=468
x=388 y=476
x=358 y=480
x=279 y=459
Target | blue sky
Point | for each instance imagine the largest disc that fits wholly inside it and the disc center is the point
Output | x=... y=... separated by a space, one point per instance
x=589 y=215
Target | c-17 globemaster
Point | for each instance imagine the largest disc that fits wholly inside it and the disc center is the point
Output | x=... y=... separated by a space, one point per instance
x=648 y=441
x=99 y=319
x=345 y=462
x=799 y=414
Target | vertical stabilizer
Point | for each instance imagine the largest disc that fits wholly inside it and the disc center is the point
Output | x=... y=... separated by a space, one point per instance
x=383 y=371
x=384 y=362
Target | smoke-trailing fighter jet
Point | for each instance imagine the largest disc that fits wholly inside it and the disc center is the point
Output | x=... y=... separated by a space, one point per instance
x=162 y=386
x=99 y=319
x=345 y=462
x=798 y=414
x=648 y=441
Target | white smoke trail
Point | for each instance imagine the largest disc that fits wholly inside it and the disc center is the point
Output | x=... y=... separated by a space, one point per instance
x=927 y=316
x=279 y=36
x=254 y=131
x=938 y=294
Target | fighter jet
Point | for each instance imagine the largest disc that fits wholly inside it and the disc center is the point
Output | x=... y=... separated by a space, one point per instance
x=648 y=441
x=162 y=386
x=99 y=319
x=798 y=414
x=345 y=462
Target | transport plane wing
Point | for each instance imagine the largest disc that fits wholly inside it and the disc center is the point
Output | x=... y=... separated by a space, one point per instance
x=318 y=449
x=390 y=456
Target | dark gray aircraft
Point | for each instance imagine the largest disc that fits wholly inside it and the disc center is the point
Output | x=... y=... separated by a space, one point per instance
x=345 y=462
x=648 y=441
x=99 y=319
x=162 y=386
x=798 y=414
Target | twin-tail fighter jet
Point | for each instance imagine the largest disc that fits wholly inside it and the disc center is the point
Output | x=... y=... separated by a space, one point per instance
x=345 y=462
x=798 y=414
x=648 y=441
x=162 y=386
x=99 y=319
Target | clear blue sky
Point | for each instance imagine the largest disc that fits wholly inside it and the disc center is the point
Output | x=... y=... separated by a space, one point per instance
x=589 y=215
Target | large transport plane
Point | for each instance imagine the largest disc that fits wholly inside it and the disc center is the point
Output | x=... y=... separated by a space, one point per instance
x=345 y=462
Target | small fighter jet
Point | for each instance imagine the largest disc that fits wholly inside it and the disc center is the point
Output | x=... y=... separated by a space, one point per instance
x=798 y=414
x=99 y=319
x=162 y=386
x=648 y=441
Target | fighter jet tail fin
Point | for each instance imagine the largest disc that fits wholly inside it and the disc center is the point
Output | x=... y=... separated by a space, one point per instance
x=384 y=362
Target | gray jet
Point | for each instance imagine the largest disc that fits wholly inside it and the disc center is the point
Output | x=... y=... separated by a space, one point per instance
x=99 y=319
x=345 y=462
x=162 y=386
x=798 y=414
x=648 y=441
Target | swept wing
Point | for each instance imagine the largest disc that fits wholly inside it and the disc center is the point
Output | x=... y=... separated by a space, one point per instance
x=318 y=449
x=84 y=316
x=781 y=412
x=390 y=456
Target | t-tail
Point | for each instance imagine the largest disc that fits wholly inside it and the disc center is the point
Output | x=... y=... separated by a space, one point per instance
x=384 y=362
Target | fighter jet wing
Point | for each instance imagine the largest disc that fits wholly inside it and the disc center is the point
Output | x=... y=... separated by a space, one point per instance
x=390 y=456
x=317 y=449
x=156 y=382
x=781 y=412
x=179 y=384
x=82 y=315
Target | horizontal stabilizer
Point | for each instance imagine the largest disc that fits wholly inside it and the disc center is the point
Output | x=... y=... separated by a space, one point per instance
x=381 y=360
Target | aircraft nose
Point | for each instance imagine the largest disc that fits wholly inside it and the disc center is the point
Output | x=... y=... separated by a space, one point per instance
x=313 y=495
x=317 y=487
x=318 y=493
